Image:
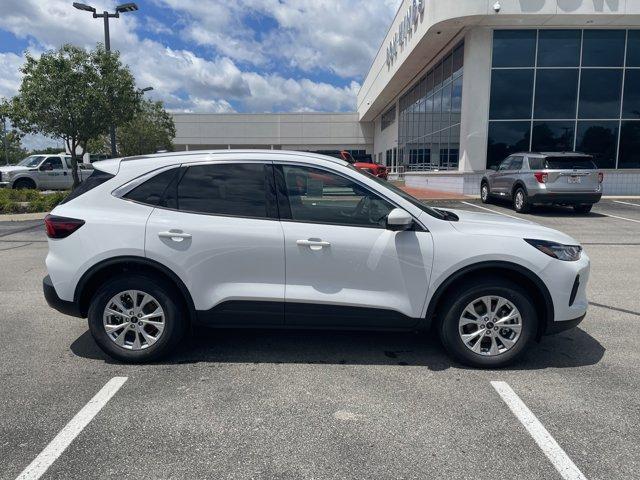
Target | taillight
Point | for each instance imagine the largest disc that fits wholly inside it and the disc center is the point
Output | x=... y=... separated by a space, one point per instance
x=61 y=227
x=541 y=177
x=600 y=177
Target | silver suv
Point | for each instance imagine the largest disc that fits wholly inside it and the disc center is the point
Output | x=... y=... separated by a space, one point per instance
x=544 y=178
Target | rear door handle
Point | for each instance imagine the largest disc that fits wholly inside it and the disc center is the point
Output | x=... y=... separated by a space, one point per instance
x=175 y=235
x=313 y=244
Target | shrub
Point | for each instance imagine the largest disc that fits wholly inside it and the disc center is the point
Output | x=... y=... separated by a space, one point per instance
x=21 y=201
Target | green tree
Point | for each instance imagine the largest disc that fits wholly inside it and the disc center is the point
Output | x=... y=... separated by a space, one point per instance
x=151 y=129
x=74 y=94
x=14 y=149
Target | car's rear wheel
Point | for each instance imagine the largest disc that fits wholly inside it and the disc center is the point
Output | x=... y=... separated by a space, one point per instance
x=136 y=319
x=520 y=201
x=582 y=208
x=484 y=192
x=488 y=325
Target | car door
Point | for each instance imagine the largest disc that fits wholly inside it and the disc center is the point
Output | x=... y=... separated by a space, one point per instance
x=51 y=174
x=218 y=229
x=510 y=175
x=343 y=267
x=498 y=179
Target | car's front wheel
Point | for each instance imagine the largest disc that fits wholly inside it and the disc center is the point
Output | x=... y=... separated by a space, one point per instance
x=136 y=318
x=488 y=325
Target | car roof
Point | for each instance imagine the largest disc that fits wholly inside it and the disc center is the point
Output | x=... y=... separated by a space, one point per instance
x=192 y=155
x=552 y=154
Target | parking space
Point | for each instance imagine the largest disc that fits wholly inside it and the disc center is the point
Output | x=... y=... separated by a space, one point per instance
x=272 y=404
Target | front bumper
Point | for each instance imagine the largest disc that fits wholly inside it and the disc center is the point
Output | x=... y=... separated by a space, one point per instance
x=54 y=301
x=5 y=184
x=557 y=327
x=571 y=198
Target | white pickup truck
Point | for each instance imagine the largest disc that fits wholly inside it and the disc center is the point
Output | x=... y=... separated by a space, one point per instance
x=43 y=172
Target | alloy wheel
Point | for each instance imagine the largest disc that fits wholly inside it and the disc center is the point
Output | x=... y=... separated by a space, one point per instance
x=490 y=325
x=519 y=199
x=484 y=193
x=133 y=320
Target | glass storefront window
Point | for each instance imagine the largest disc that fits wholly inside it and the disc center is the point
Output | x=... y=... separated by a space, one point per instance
x=511 y=94
x=556 y=93
x=631 y=107
x=506 y=138
x=514 y=48
x=603 y=48
x=576 y=102
x=600 y=140
x=559 y=48
x=552 y=136
x=600 y=91
x=633 y=48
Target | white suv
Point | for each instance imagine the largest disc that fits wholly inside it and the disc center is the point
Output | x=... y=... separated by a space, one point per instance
x=150 y=245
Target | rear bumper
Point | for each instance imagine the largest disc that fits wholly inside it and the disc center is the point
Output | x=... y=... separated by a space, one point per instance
x=54 y=301
x=569 y=198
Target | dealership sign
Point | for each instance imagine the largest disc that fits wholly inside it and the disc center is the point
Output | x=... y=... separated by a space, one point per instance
x=405 y=29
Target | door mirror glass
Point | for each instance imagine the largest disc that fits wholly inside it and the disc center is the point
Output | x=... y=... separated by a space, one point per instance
x=398 y=220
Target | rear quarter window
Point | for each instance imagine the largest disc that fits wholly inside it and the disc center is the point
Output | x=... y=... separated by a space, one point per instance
x=570 y=163
x=153 y=191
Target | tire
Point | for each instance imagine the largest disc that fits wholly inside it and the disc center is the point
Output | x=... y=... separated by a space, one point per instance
x=450 y=328
x=485 y=193
x=174 y=323
x=582 y=208
x=23 y=184
x=521 y=201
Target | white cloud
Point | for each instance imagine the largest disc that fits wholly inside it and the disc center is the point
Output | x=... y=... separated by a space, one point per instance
x=340 y=36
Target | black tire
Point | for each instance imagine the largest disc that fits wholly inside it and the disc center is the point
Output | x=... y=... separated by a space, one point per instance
x=485 y=193
x=582 y=208
x=467 y=293
x=175 y=318
x=24 y=184
x=521 y=201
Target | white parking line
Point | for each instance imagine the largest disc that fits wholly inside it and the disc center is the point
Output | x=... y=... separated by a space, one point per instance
x=543 y=438
x=619 y=218
x=71 y=430
x=627 y=203
x=489 y=210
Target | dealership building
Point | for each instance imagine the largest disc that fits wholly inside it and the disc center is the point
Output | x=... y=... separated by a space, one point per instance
x=457 y=86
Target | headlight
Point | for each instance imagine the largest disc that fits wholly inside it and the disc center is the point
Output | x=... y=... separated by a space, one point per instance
x=567 y=253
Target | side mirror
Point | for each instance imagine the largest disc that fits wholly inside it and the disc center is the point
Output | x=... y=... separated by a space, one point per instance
x=494 y=168
x=399 y=220
x=46 y=167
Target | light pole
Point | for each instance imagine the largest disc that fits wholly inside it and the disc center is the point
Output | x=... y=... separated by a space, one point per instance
x=6 y=148
x=125 y=7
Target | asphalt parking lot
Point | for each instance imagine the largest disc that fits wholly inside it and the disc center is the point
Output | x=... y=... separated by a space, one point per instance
x=327 y=405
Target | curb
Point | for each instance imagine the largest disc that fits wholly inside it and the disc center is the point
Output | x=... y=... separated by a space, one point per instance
x=21 y=217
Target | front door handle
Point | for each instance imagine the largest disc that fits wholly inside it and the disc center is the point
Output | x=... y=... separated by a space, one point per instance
x=175 y=235
x=313 y=244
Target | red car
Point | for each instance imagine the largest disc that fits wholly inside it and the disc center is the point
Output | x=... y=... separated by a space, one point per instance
x=374 y=169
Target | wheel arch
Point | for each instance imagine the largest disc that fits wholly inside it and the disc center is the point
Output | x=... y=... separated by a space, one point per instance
x=24 y=178
x=96 y=275
x=542 y=300
x=518 y=184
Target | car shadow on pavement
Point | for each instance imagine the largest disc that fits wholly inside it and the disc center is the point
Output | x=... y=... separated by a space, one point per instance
x=569 y=349
x=550 y=211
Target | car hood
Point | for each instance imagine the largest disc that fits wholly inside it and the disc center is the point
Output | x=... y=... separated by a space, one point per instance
x=13 y=168
x=476 y=223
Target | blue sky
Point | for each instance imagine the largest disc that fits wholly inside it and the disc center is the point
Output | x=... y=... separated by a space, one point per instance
x=217 y=55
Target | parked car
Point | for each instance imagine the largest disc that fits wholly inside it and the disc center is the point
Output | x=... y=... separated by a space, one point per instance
x=147 y=247
x=368 y=166
x=42 y=172
x=545 y=178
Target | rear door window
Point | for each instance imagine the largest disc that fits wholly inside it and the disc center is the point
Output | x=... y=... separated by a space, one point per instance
x=536 y=163
x=516 y=163
x=233 y=189
x=570 y=163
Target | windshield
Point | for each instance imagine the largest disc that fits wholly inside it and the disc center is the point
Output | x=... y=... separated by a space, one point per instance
x=409 y=198
x=32 y=161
